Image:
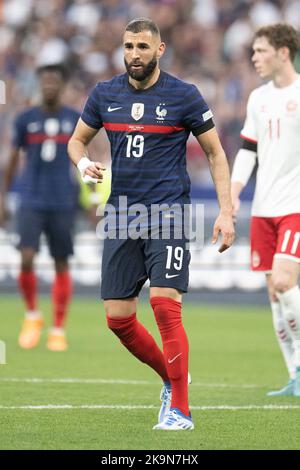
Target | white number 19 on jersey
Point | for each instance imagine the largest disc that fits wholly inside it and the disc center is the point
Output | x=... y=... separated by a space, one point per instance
x=135 y=146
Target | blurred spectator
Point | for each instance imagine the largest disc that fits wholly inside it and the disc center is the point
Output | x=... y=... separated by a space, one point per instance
x=264 y=12
x=292 y=13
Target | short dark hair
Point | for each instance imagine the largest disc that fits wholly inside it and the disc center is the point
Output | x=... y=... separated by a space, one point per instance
x=137 y=25
x=281 y=35
x=58 y=68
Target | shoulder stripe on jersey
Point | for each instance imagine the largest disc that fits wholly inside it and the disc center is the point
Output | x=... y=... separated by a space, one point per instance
x=248 y=139
x=120 y=127
x=40 y=138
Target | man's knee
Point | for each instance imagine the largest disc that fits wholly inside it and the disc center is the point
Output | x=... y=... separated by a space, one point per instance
x=167 y=312
x=271 y=289
x=121 y=318
x=168 y=292
x=283 y=281
x=27 y=257
x=61 y=264
x=120 y=308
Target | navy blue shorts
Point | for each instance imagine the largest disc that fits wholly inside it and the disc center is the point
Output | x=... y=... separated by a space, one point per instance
x=127 y=264
x=57 y=225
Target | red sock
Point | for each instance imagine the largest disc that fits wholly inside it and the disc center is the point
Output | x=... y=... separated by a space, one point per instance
x=176 y=348
x=61 y=295
x=28 y=288
x=134 y=336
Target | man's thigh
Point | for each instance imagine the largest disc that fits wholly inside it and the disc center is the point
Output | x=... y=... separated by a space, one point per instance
x=285 y=273
x=31 y=223
x=120 y=307
x=59 y=233
x=123 y=269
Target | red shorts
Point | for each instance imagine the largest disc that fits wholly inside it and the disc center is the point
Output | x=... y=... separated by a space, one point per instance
x=271 y=237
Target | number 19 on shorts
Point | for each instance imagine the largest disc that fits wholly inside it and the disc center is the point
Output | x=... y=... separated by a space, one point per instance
x=174 y=257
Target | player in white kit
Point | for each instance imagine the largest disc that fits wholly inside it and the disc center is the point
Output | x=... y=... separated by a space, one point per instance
x=271 y=138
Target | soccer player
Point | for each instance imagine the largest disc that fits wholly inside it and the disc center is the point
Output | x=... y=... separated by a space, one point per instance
x=271 y=135
x=48 y=202
x=148 y=116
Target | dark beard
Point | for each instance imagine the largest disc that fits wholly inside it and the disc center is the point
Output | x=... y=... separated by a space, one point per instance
x=146 y=71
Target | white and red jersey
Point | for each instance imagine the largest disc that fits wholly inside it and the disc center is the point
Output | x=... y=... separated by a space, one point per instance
x=273 y=122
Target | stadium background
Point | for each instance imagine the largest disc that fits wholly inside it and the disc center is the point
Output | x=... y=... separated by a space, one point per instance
x=209 y=44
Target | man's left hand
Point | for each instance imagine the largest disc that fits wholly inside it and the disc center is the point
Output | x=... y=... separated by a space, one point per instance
x=224 y=224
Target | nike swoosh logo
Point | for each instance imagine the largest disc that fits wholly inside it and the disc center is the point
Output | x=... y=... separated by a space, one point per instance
x=110 y=110
x=172 y=360
x=169 y=276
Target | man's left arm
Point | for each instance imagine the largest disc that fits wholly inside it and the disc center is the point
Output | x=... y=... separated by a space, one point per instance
x=219 y=169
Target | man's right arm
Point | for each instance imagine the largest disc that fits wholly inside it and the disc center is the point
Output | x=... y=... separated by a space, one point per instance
x=77 y=149
x=241 y=172
x=246 y=156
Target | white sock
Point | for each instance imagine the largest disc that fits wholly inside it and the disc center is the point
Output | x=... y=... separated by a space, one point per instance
x=290 y=305
x=284 y=338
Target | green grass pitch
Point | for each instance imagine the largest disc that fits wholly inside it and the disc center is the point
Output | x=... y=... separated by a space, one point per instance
x=113 y=399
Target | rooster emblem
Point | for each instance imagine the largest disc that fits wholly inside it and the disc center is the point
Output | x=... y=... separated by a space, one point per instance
x=161 y=112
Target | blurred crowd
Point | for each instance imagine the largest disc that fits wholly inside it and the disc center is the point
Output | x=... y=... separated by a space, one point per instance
x=208 y=43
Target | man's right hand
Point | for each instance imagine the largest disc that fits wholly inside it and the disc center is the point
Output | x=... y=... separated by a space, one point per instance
x=91 y=172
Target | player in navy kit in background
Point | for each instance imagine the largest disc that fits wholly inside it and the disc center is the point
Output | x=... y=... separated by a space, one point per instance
x=148 y=115
x=49 y=192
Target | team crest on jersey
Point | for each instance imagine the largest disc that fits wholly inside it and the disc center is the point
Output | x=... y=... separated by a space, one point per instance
x=161 y=112
x=51 y=127
x=255 y=259
x=137 y=111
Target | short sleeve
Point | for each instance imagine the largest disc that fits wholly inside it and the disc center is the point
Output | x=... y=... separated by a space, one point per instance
x=197 y=116
x=19 y=132
x=249 y=131
x=91 y=112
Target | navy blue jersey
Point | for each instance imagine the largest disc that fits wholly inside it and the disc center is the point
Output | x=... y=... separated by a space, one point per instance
x=48 y=180
x=148 y=130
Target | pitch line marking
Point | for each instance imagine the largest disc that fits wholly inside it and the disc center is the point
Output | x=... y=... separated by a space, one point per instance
x=75 y=381
x=149 y=407
x=117 y=381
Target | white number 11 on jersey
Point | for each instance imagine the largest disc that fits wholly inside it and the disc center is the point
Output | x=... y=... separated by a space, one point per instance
x=274 y=128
